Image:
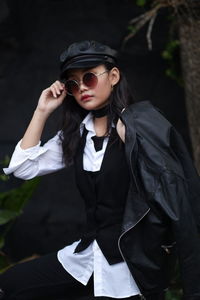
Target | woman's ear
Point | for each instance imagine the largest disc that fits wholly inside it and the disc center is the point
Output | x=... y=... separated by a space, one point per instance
x=114 y=76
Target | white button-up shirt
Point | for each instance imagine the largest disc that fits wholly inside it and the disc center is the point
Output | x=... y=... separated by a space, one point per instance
x=113 y=281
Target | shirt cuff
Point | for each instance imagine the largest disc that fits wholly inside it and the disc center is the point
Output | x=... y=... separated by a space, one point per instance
x=21 y=155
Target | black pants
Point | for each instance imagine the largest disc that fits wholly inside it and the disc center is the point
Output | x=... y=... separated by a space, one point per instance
x=44 y=278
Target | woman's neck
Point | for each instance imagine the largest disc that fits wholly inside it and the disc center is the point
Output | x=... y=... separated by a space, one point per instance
x=101 y=120
x=101 y=112
x=100 y=126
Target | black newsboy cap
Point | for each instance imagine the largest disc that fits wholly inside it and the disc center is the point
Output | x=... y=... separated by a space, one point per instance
x=86 y=54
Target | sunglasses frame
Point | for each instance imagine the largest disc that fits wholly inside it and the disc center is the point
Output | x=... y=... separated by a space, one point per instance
x=78 y=83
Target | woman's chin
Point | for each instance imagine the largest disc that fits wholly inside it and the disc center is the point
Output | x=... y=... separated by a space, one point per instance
x=90 y=105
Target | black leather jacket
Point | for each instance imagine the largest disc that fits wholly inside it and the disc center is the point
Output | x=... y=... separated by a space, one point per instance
x=162 y=212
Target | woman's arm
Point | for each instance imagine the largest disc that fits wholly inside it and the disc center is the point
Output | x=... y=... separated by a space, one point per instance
x=50 y=99
x=29 y=158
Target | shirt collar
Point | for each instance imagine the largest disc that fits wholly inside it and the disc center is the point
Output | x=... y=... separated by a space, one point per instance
x=88 y=123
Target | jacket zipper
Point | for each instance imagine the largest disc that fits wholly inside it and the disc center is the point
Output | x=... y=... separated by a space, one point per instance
x=140 y=295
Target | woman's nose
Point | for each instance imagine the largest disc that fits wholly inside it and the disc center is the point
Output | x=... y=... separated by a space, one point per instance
x=82 y=86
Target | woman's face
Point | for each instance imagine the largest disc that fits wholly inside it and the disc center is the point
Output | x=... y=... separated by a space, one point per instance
x=98 y=96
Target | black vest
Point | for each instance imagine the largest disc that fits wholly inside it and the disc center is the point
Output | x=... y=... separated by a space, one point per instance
x=104 y=193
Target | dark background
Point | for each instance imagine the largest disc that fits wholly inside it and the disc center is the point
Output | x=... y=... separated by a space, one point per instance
x=32 y=36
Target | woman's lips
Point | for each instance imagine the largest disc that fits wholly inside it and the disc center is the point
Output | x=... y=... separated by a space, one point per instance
x=85 y=97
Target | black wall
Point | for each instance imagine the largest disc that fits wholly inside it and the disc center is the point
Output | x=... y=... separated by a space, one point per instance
x=32 y=36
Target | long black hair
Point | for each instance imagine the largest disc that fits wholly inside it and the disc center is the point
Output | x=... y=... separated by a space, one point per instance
x=73 y=115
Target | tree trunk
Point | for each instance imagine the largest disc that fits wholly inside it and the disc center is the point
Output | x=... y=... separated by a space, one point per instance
x=189 y=32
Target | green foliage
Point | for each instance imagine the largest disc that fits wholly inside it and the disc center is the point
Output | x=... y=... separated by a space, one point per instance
x=12 y=203
x=170 y=48
x=132 y=29
x=174 y=292
x=4 y=177
x=5 y=162
x=174 y=295
x=171 y=51
x=171 y=55
x=4 y=262
x=141 y=2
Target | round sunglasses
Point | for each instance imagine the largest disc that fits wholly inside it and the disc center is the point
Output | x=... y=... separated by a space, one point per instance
x=89 y=79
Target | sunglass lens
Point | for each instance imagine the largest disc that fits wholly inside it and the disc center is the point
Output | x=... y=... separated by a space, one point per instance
x=90 y=80
x=71 y=86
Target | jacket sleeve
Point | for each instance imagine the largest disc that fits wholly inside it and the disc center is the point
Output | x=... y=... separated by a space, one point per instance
x=172 y=197
x=190 y=173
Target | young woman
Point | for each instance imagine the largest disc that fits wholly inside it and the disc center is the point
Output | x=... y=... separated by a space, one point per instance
x=135 y=176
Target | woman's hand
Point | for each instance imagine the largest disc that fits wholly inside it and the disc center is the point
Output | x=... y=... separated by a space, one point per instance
x=51 y=98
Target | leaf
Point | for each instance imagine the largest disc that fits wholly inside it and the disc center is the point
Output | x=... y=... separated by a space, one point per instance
x=4 y=177
x=141 y=2
x=5 y=161
x=132 y=28
x=12 y=203
x=167 y=55
x=6 y=216
x=16 y=199
x=4 y=262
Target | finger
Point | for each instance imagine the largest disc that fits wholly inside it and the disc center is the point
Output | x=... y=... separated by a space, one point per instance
x=61 y=98
x=56 y=88
x=53 y=91
x=60 y=85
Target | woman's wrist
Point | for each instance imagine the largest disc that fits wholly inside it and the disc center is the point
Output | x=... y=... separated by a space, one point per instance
x=41 y=114
x=34 y=131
